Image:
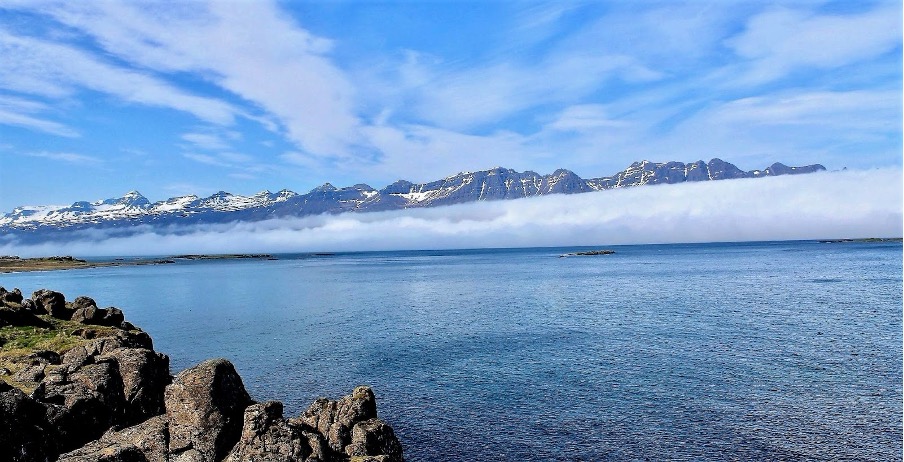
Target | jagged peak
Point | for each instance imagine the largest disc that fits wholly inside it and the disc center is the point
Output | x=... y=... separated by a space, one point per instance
x=326 y=187
x=286 y=193
x=644 y=171
x=563 y=172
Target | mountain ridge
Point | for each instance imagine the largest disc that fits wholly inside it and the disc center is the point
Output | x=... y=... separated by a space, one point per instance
x=498 y=183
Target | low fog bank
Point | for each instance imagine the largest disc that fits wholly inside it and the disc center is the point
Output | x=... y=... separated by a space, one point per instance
x=816 y=206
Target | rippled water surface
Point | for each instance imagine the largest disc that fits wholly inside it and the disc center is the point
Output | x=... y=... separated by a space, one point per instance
x=765 y=351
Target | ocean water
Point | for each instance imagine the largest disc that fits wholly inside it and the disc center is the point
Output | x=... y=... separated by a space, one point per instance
x=754 y=351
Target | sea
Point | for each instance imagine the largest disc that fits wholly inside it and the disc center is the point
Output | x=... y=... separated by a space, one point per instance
x=697 y=352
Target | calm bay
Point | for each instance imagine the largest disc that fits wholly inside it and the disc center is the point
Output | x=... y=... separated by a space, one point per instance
x=752 y=351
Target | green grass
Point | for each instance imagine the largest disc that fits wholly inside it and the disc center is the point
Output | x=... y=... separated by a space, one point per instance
x=18 y=342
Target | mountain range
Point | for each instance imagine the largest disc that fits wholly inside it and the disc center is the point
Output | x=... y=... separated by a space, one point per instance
x=125 y=214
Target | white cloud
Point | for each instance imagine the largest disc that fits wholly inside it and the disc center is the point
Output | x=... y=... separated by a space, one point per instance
x=832 y=128
x=67 y=157
x=34 y=123
x=783 y=40
x=585 y=117
x=486 y=93
x=230 y=160
x=55 y=70
x=859 y=110
x=205 y=159
x=17 y=111
x=206 y=141
x=817 y=206
x=248 y=48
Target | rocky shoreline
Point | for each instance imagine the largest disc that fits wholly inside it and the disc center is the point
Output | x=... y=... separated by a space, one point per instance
x=79 y=383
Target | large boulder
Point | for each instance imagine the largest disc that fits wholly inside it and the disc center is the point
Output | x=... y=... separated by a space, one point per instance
x=374 y=437
x=19 y=316
x=52 y=303
x=104 y=346
x=205 y=406
x=84 y=404
x=335 y=419
x=14 y=297
x=82 y=302
x=34 y=368
x=145 y=375
x=266 y=437
x=24 y=430
x=112 y=317
x=142 y=442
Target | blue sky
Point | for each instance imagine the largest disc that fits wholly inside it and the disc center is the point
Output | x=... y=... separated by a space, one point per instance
x=99 y=98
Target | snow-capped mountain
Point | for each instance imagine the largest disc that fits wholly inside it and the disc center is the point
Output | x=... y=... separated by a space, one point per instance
x=39 y=222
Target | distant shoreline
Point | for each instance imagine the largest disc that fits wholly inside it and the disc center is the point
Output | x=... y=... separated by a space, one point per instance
x=14 y=264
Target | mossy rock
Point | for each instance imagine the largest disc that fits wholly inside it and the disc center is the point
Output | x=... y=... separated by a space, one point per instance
x=17 y=343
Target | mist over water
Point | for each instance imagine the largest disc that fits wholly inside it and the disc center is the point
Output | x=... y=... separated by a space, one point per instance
x=813 y=206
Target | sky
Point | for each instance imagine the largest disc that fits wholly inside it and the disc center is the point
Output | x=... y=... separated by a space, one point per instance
x=772 y=208
x=173 y=98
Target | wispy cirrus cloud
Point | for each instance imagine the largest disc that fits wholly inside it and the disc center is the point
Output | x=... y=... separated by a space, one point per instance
x=205 y=141
x=20 y=112
x=68 y=157
x=779 y=41
x=463 y=99
x=40 y=67
x=260 y=55
x=33 y=123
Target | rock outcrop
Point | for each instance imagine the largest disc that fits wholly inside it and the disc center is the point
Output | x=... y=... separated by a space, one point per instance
x=106 y=395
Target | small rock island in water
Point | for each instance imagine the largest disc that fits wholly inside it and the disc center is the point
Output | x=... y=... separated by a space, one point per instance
x=588 y=253
x=79 y=383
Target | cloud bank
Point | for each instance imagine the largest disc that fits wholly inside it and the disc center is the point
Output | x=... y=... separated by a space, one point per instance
x=824 y=205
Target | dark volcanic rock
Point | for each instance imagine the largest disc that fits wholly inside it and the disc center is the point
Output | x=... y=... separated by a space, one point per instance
x=145 y=375
x=205 y=406
x=84 y=404
x=19 y=316
x=111 y=398
x=10 y=297
x=110 y=381
x=24 y=430
x=266 y=437
x=144 y=442
x=82 y=302
x=52 y=303
x=374 y=437
x=336 y=419
x=112 y=317
x=35 y=368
